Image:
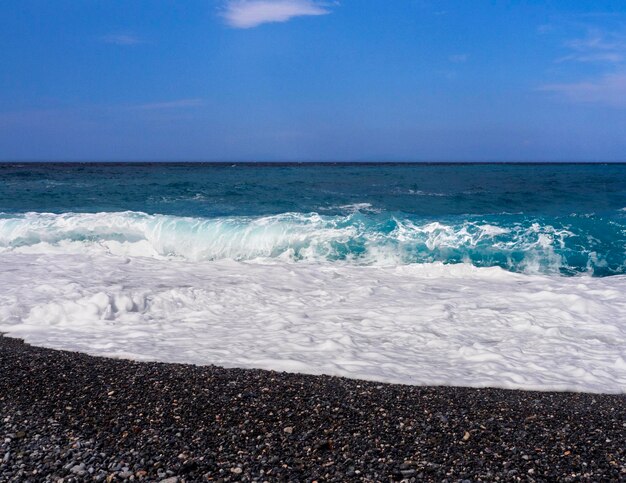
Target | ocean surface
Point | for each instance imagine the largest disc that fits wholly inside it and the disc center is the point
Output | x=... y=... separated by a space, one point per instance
x=509 y=275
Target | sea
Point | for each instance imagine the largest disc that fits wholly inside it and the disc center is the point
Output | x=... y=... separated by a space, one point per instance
x=481 y=275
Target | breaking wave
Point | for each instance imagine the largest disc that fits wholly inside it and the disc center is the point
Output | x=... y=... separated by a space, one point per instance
x=514 y=242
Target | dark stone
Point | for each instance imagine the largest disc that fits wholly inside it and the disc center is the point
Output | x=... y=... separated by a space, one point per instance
x=156 y=421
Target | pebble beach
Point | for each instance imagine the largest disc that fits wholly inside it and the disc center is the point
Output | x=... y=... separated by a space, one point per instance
x=72 y=417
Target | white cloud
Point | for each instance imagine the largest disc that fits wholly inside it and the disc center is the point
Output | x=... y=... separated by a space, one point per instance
x=606 y=57
x=607 y=49
x=609 y=90
x=598 y=40
x=122 y=39
x=245 y=14
x=597 y=46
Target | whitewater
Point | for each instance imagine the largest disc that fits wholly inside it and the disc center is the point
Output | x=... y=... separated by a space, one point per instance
x=275 y=293
x=509 y=276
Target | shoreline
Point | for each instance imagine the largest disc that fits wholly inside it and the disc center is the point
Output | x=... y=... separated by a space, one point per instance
x=84 y=418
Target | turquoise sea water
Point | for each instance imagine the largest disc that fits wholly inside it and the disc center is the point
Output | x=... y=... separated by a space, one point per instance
x=561 y=219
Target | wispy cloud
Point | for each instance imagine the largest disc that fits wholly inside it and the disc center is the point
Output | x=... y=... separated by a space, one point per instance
x=609 y=90
x=122 y=39
x=245 y=14
x=597 y=46
x=177 y=104
x=606 y=48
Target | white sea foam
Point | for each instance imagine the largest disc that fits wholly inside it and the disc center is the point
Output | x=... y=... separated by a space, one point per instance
x=414 y=324
x=356 y=207
x=295 y=236
x=426 y=193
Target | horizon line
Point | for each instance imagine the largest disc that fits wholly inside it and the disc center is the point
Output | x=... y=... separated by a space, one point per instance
x=310 y=162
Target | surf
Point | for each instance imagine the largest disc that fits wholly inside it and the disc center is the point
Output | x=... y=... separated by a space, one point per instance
x=519 y=243
x=432 y=324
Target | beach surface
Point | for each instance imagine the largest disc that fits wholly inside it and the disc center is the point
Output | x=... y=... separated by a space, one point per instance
x=82 y=418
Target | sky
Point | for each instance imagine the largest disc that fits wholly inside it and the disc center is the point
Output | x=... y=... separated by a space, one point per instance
x=309 y=80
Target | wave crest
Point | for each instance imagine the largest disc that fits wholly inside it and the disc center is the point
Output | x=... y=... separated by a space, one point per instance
x=361 y=238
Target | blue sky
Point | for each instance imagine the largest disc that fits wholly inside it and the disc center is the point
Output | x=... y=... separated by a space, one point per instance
x=432 y=80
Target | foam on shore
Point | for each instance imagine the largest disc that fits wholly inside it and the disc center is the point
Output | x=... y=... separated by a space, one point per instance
x=430 y=324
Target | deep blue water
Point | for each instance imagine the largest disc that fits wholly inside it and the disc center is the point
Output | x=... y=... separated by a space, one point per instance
x=555 y=218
